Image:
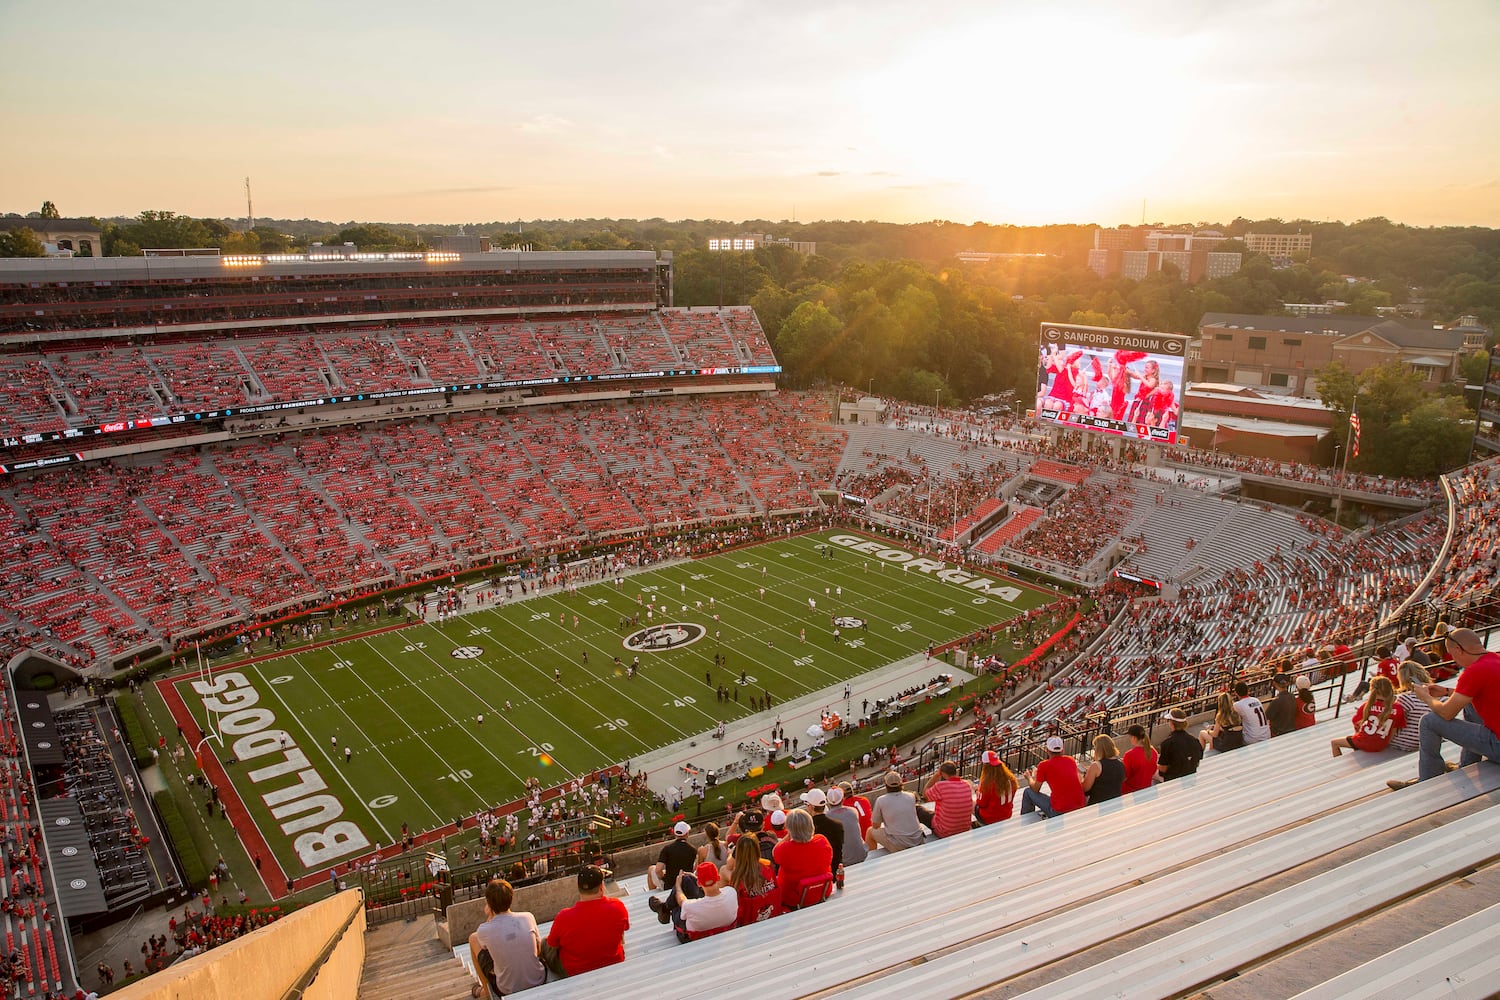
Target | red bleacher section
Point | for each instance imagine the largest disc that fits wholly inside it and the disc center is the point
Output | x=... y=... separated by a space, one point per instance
x=161 y=545
x=1072 y=475
x=984 y=510
x=47 y=388
x=1011 y=528
x=27 y=920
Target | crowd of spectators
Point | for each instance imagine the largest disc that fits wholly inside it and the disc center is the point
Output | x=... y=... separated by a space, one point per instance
x=1081 y=523
x=107 y=557
x=1473 y=565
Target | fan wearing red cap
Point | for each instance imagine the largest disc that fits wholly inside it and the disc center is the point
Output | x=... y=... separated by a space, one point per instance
x=997 y=790
x=702 y=903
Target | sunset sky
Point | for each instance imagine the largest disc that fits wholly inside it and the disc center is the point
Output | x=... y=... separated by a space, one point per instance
x=1003 y=112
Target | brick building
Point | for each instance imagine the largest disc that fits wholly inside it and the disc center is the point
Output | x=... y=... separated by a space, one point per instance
x=1280 y=353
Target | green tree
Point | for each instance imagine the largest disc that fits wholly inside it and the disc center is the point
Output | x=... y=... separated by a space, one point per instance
x=156 y=229
x=49 y=211
x=21 y=242
x=1337 y=387
x=1475 y=367
x=920 y=385
x=809 y=339
x=1431 y=439
x=378 y=239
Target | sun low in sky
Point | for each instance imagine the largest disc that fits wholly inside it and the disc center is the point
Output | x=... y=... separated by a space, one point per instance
x=996 y=111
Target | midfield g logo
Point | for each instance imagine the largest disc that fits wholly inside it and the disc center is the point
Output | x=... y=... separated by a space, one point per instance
x=660 y=638
x=845 y=621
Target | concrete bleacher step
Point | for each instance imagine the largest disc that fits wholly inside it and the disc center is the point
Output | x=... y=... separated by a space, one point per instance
x=1459 y=962
x=1154 y=899
x=405 y=961
x=1182 y=961
x=1091 y=851
x=1361 y=953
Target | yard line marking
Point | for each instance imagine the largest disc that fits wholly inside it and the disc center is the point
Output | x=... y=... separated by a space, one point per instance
x=333 y=764
x=461 y=724
x=640 y=674
x=408 y=725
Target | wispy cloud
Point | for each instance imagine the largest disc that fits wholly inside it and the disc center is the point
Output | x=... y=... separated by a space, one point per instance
x=545 y=123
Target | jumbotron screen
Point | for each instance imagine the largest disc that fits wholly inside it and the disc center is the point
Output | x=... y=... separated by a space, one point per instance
x=1126 y=382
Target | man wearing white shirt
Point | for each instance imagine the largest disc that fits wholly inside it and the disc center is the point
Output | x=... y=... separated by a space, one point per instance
x=1252 y=714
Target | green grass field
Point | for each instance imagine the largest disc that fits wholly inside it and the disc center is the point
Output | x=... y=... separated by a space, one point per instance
x=405 y=703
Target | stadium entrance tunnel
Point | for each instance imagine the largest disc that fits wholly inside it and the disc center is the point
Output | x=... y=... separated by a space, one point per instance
x=660 y=638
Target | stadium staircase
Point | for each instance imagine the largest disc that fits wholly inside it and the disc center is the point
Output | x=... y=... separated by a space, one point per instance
x=1277 y=864
x=404 y=960
x=266 y=530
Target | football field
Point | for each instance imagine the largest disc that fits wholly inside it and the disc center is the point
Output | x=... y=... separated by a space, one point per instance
x=329 y=751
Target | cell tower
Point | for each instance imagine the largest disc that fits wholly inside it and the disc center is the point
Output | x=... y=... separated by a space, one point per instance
x=249 y=208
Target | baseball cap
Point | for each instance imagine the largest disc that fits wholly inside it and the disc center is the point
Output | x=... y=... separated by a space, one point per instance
x=591 y=877
x=1304 y=681
x=893 y=779
x=778 y=818
x=707 y=873
x=814 y=797
x=835 y=795
x=1054 y=744
x=1175 y=715
x=1281 y=678
x=752 y=821
x=681 y=829
x=990 y=758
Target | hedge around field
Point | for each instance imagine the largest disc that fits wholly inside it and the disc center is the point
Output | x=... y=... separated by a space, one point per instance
x=136 y=736
x=193 y=868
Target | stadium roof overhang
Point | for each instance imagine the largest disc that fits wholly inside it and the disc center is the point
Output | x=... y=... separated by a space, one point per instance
x=38 y=730
x=80 y=889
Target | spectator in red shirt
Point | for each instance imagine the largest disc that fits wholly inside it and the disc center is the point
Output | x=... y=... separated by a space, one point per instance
x=859 y=804
x=1307 y=707
x=1059 y=773
x=997 y=790
x=1475 y=695
x=591 y=933
x=802 y=855
x=952 y=798
x=1139 y=761
x=757 y=896
x=1375 y=721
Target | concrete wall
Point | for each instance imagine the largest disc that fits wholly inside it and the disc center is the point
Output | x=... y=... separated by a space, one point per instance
x=269 y=962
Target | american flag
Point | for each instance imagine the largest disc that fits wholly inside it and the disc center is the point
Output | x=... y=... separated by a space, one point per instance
x=1354 y=435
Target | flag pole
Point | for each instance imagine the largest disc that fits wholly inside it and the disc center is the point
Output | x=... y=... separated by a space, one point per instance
x=1351 y=443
